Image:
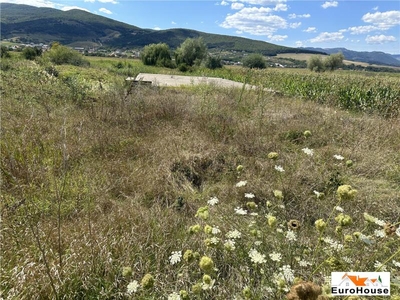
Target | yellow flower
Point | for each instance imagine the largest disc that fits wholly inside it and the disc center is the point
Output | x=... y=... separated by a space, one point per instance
x=239 y=168
x=307 y=133
x=197 y=288
x=195 y=228
x=188 y=255
x=208 y=229
x=320 y=225
x=272 y=221
x=273 y=155
x=346 y=192
x=126 y=271
x=251 y=205
x=278 y=194
x=246 y=293
x=206 y=264
x=203 y=213
x=184 y=295
x=343 y=220
x=147 y=281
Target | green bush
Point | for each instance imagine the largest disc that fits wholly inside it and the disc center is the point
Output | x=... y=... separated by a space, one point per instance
x=213 y=62
x=31 y=52
x=4 y=52
x=333 y=61
x=316 y=64
x=157 y=55
x=191 y=52
x=254 y=61
x=61 y=55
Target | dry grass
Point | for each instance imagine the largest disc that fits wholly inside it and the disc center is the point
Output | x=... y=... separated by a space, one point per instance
x=89 y=189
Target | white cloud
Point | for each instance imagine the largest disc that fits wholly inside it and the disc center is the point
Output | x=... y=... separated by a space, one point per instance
x=362 y=29
x=173 y=23
x=157 y=28
x=106 y=11
x=330 y=4
x=224 y=3
x=108 y=1
x=281 y=7
x=327 y=37
x=237 y=6
x=376 y=8
x=277 y=38
x=37 y=3
x=299 y=44
x=91 y=1
x=257 y=2
x=310 y=29
x=294 y=16
x=380 y=39
x=65 y=8
x=255 y=20
x=295 y=25
x=383 y=20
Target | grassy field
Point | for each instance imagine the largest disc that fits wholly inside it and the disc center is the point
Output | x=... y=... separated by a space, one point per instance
x=117 y=192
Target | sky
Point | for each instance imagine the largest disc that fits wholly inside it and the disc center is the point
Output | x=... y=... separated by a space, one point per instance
x=372 y=25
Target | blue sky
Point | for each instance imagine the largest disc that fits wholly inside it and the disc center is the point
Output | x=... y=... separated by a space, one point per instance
x=357 y=25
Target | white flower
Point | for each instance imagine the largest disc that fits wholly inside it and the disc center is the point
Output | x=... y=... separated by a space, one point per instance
x=275 y=256
x=338 y=157
x=213 y=201
x=215 y=230
x=256 y=257
x=280 y=230
x=380 y=266
x=230 y=245
x=338 y=208
x=132 y=287
x=174 y=296
x=379 y=222
x=279 y=169
x=398 y=231
x=214 y=240
x=175 y=257
x=291 y=236
x=317 y=193
x=240 y=211
x=303 y=263
x=308 y=151
x=241 y=183
x=347 y=259
x=380 y=233
x=287 y=273
x=234 y=234
x=257 y=243
x=253 y=214
x=396 y=263
x=249 y=195
x=208 y=286
x=333 y=244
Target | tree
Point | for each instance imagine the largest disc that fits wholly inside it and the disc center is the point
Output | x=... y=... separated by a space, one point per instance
x=213 y=62
x=254 y=61
x=315 y=64
x=334 y=61
x=59 y=55
x=191 y=52
x=156 y=55
x=4 y=52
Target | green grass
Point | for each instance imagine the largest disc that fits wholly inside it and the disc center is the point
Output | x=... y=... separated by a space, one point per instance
x=102 y=183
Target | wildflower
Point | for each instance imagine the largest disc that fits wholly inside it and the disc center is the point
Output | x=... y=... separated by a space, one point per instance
x=126 y=271
x=174 y=296
x=278 y=194
x=287 y=273
x=338 y=208
x=398 y=231
x=239 y=168
x=188 y=255
x=333 y=244
x=343 y=220
x=206 y=264
x=275 y=256
x=197 y=288
x=147 y=281
x=338 y=157
x=240 y=211
x=213 y=201
x=249 y=195
x=241 y=183
x=184 y=294
x=175 y=257
x=253 y=214
x=347 y=259
x=307 y=133
x=247 y=293
x=319 y=195
x=133 y=286
x=230 y=245
x=257 y=243
x=380 y=233
x=380 y=222
x=309 y=152
x=291 y=236
x=293 y=224
x=213 y=241
x=256 y=257
x=208 y=282
x=349 y=163
x=304 y=291
x=396 y=263
x=348 y=238
x=273 y=155
x=279 y=168
x=346 y=192
x=234 y=234
x=256 y=233
x=207 y=229
x=215 y=230
x=303 y=263
x=251 y=205
x=272 y=221
x=379 y=266
x=203 y=213
x=195 y=228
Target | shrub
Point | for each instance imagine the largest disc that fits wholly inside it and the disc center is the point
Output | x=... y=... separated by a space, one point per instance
x=333 y=61
x=157 y=55
x=31 y=52
x=254 y=61
x=213 y=62
x=4 y=52
x=315 y=64
x=60 y=55
x=191 y=52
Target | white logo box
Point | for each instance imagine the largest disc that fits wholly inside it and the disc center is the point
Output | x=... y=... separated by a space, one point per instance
x=360 y=283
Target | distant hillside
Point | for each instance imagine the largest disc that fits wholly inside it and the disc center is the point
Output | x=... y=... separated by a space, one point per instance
x=375 y=57
x=396 y=56
x=77 y=27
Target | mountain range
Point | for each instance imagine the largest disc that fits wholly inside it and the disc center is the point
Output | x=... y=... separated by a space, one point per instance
x=78 y=28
